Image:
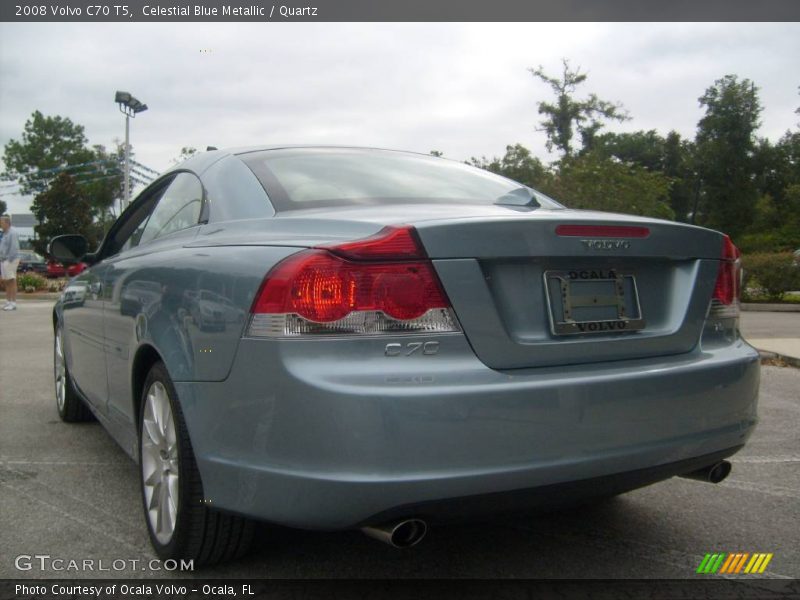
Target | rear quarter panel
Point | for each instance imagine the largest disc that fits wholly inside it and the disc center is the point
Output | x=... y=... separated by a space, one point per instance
x=153 y=300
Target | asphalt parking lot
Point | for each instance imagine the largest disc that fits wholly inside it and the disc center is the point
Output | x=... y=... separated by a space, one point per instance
x=69 y=492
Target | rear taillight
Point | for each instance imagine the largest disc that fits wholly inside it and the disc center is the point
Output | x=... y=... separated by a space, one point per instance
x=378 y=285
x=727 y=290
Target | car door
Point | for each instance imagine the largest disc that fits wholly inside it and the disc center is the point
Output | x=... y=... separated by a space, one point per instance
x=138 y=281
x=82 y=305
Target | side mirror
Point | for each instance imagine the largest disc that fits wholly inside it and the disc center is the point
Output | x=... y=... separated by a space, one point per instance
x=68 y=249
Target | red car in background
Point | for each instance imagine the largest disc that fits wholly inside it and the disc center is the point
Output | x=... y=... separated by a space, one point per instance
x=56 y=269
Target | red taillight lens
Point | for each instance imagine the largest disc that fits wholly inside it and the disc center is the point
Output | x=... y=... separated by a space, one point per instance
x=390 y=243
x=378 y=284
x=726 y=290
x=322 y=287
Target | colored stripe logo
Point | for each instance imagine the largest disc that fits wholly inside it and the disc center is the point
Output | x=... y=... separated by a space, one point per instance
x=734 y=563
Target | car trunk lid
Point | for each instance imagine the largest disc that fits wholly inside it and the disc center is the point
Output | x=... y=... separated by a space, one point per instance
x=569 y=287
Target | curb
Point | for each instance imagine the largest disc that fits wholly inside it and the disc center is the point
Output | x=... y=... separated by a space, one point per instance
x=792 y=361
x=758 y=307
x=25 y=297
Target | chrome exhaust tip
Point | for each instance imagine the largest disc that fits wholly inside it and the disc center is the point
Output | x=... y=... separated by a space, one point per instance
x=399 y=534
x=712 y=474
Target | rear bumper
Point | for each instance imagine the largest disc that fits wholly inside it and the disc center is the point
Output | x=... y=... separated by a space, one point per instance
x=547 y=496
x=330 y=434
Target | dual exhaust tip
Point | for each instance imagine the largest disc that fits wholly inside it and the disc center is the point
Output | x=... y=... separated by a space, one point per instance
x=399 y=534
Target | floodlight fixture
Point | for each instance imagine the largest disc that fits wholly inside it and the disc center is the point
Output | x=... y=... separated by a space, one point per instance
x=122 y=97
x=128 y=104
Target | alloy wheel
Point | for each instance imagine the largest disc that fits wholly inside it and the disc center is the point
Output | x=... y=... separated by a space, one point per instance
x=60 y=372
x=159 y=462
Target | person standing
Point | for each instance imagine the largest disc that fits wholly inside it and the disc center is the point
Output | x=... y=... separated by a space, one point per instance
x=9 y=261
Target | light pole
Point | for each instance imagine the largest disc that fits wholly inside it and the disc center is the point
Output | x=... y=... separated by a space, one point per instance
x=129 y=106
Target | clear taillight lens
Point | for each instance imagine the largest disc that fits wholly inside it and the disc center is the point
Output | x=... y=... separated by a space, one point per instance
x=378 y=285
x=725 y=302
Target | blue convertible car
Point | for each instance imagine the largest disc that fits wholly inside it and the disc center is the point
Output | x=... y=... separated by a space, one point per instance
x=334 y=338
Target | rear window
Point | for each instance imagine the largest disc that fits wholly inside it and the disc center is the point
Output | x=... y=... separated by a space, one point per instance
x=234 y=193
x=318 y=177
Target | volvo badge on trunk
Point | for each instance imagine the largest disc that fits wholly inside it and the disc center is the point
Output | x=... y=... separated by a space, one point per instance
x=606 y=244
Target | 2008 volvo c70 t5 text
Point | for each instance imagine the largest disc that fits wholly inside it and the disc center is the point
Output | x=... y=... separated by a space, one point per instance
x=334 y=338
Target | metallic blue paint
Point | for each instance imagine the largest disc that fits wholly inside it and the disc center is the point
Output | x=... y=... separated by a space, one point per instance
x=325 y=433
x=335 y=432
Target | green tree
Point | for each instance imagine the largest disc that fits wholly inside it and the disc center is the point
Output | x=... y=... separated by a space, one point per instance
x=102 y=184
x=644 y=148
x=790 y=217
x=567 y=115
x=671 y=156
x=783 y=170
x=776 y=222
x=48 y=146
x=678 y=165
x=62 y=208
x=3 y=207
x=774 y=228
x=592 y=181
x=770 y=169
x=725 y=143
x=518 y=164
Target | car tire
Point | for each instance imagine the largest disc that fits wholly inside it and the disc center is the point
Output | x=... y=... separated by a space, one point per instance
x=182 y=528
x=69 y=404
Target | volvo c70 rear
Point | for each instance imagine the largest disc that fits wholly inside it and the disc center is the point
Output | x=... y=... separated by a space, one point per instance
x=334 y=338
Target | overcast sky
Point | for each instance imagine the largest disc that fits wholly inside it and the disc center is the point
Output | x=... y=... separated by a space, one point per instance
x=463 y=89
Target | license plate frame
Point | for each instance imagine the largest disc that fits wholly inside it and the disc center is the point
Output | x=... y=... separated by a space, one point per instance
x=624 y=300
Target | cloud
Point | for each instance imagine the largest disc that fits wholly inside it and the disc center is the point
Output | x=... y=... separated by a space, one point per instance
x=459 y=88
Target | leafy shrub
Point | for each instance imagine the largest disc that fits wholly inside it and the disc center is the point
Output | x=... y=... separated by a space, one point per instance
x=775 y=241
x=773 y=273
x=30 y=282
